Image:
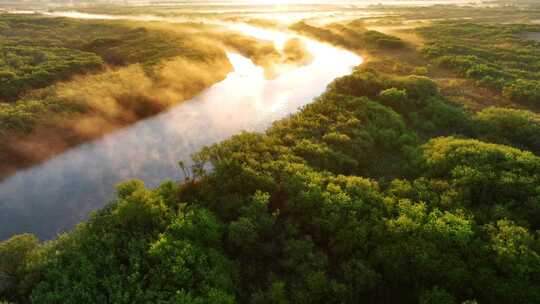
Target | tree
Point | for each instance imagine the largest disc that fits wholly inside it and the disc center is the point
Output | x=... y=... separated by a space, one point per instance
x=18 y=256
x=518 y=128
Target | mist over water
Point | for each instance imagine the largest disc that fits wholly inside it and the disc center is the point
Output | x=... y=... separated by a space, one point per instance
x=55 y=196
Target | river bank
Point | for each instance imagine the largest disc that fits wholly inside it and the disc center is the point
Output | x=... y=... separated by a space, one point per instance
x=71 y=185
x=156 y=64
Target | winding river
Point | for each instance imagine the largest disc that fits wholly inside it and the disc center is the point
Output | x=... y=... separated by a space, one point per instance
x=53 y=197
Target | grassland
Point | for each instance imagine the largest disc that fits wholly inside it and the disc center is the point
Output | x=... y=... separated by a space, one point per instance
x=500 y=57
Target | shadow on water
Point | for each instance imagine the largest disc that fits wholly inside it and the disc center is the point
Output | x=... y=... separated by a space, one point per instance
x=55 y=196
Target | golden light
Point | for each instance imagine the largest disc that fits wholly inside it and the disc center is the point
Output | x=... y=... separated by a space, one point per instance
x=276 y=2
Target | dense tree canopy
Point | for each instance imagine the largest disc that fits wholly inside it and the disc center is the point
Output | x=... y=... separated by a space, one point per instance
x=513 y=127
x=380 y=191
x=56 y=74
x=375 y=193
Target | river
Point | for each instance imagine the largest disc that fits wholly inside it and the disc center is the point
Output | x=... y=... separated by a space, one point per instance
x=53 y=197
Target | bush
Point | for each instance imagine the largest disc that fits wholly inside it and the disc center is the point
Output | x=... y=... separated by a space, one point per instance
x=519 y=128
x=524 y=91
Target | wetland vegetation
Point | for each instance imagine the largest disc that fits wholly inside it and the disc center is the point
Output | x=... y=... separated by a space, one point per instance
x=67 y=81
x=415 y=179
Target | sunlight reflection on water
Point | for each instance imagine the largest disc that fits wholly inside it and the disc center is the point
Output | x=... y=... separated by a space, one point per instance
x=55 y=196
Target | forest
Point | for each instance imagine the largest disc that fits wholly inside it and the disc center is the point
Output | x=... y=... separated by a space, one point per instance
x=390 y=187
x=379 y=191
x=69 y=81
x=57 y=76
